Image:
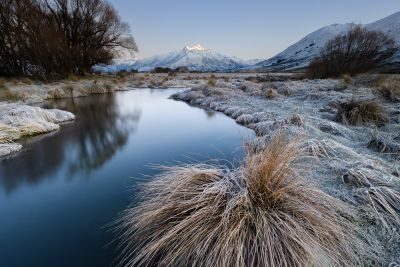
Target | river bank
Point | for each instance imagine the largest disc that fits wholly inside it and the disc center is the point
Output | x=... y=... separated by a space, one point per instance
x=356 y=161
x=18 y=118
x=358 y=164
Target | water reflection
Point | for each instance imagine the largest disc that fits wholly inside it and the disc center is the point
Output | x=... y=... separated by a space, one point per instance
x=100 y=130
x=74 y=182
x=210 y=113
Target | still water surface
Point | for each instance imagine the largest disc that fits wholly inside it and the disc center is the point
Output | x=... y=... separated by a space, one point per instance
x=60 y=192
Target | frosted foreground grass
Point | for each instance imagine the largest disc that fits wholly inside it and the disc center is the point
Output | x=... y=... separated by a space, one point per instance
x=262 y=214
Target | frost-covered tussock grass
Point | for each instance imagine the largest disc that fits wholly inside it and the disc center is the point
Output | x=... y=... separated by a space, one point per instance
x=18 y=120
x=351 y=140
x=262 y=214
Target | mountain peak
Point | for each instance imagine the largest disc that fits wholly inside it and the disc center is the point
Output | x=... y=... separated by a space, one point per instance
x=197 y=47
x=195 y=58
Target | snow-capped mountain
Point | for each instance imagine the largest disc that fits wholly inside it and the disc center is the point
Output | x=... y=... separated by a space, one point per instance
x=300 y=54
x=195 y=58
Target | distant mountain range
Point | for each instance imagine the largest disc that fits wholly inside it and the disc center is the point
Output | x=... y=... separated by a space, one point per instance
x=195 y=58
x=297 y=56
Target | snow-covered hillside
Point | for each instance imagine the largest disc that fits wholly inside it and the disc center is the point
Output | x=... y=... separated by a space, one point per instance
x=391 y=26
x=195 y=58
x=301 y=53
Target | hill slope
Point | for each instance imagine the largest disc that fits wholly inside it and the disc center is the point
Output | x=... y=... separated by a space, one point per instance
x=300 y=54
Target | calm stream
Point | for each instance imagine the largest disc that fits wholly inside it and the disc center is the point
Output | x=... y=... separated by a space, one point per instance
x=58 y=195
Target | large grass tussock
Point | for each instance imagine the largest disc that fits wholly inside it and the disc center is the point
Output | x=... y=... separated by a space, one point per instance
x=261 y=214
x=361 y=112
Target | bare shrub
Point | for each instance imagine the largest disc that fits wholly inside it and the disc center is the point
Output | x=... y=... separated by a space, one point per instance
x=360 y=112
x=262 y=214
x=356 y=51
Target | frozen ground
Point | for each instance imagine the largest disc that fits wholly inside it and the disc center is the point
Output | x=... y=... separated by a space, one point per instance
x=336 y=156
x=357 y=164
x=18 y=120
x=31 y=92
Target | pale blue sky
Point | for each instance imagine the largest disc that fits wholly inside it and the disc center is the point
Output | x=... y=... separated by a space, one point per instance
x=246 y=29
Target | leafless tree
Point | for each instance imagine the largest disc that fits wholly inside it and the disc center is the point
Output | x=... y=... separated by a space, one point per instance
x=356 y=51
x=51 y=38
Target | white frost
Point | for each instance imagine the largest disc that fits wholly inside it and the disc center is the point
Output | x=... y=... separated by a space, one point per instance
x=21 y=120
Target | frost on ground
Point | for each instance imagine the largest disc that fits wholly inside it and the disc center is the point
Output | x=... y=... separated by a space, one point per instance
x=32 y=92
x=18 y=120
x=357 y=164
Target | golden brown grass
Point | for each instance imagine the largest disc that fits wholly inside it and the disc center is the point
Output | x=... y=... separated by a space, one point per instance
x=57 y=93
x=26 y=80
x=74 y=78
x=2 y=84
x=346 y=78
x=211 y=81
x=390 y=88
x=261 y=214
x=271 y=93
x=69 y=90
x=361 y=112
x=8 y=133
x=7 y=95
